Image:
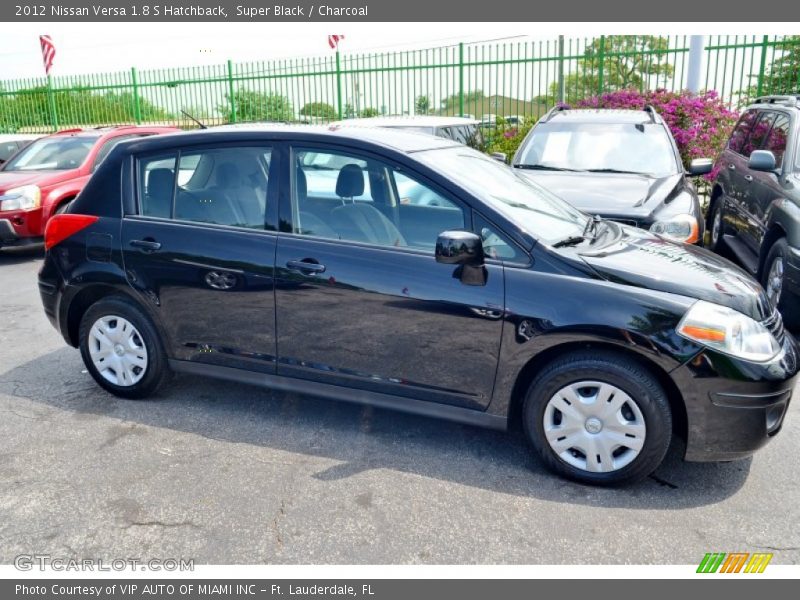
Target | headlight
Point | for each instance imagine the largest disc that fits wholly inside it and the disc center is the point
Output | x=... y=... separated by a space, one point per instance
x=21 y=198
x=681 y=228
x=728 y=331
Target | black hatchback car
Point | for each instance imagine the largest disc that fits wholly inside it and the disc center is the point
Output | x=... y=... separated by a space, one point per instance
x=314 y=260
x=622 y=165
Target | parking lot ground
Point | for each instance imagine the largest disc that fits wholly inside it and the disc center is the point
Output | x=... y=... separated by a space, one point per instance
x=224 y=474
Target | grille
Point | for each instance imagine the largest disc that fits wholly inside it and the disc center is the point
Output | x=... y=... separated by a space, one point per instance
x=775 y=325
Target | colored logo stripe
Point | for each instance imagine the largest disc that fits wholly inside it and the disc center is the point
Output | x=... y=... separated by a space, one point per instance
x=734 y=562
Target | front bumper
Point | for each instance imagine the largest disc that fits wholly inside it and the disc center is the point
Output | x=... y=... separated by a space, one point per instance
x=734 y=407
x=20 y=227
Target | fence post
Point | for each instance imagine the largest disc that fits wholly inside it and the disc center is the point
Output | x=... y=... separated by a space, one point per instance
x=137 y=109
x=231 y=94
x=762 y=65
x=601 y=58
x=52 y=101
x=561 y=83
x=338 y=85
x=461 y=79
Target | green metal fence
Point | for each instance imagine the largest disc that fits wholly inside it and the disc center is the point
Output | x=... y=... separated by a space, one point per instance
x=513 y=78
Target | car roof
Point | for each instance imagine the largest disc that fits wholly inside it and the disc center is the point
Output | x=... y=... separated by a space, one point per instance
x=18 y=137
x=395 y=139
x=601 y=115
x=409 y=121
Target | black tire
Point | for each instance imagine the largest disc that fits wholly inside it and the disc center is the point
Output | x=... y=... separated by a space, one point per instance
x=717 y=212
x=156 y=372
x=789 y=304
x=63 y=207
x=621 y=372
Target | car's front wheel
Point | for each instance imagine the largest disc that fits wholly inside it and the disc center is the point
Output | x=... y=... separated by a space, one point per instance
x=717 y=226
x=773 y=278
x=598 y=418
x=121 y=348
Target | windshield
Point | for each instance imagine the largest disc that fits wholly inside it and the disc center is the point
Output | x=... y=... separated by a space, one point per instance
x=52 y=153
x=533 y=208
x=633 y=147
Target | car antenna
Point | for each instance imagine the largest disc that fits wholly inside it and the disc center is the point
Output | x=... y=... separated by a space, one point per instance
x=199 y=123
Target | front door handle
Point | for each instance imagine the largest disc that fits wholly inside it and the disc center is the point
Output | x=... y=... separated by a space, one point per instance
x=732 y=167
x=146 y=245
x=306 y=265
x=748 y=178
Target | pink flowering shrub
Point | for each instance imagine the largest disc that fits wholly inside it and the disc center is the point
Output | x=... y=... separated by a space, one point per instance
x=700 y=123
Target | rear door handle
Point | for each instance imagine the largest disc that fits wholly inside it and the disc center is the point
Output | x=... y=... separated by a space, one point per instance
x=146 y=245
x=306 y=265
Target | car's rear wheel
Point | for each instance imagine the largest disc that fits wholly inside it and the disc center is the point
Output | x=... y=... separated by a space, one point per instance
x=773 y=278
x=598 y=418
x=121 y=348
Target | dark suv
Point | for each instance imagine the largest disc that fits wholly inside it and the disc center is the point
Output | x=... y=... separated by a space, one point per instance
x=755 y=204
x=290 y=257
x=621 y=165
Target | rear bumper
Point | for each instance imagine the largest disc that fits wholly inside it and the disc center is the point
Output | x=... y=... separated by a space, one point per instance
x=735 y=407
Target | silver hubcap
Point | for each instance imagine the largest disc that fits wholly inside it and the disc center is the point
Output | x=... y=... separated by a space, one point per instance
x=117 y=350
x=716 y=226
x=775 y=281
x=594 y=426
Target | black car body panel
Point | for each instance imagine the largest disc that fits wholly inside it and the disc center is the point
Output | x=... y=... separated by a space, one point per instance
x=390 y=326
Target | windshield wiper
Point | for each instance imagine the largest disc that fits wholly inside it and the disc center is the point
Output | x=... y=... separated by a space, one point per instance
x=546 y=168
x=572 y=240
x=617 y=171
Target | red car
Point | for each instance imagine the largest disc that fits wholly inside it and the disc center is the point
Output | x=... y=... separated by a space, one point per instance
x=44 y=177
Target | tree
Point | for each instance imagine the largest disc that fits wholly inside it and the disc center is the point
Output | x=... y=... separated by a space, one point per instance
x=781 y=76
x=319 y=109
x=257 y=106
x=422 y=105
x=628 y=61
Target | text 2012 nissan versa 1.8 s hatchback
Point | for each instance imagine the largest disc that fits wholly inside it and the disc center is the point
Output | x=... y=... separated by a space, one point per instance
x=303 y=259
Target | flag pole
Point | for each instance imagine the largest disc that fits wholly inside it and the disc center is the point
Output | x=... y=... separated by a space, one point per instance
x=52 y=100
x=338 y=83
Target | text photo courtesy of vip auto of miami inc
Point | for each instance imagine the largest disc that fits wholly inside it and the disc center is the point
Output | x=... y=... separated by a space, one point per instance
x=402 y=296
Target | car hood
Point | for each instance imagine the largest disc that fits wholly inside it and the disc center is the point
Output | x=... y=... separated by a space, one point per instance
x=12 y=179
x=641 y=259
x=608 y=194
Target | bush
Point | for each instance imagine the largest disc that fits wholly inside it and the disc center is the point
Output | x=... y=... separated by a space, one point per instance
x=252 y=106
x=320 y=110
x=507 y=141
x=700 y=123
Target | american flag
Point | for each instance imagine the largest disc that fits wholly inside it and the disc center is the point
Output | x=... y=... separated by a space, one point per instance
x=48 y=52
x=333 y=41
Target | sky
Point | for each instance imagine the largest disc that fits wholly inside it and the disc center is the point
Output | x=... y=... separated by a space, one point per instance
x=94 y=47
x=105 y=47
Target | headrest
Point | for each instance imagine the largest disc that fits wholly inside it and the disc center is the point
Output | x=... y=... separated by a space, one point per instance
x=350 y=182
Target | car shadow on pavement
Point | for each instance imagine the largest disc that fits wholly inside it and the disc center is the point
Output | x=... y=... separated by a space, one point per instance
x=362 y=438
x=14 y=256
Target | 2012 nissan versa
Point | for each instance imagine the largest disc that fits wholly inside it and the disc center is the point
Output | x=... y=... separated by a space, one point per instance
x=413 y=273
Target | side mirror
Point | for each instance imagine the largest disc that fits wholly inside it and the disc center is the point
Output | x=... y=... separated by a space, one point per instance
x=762 y=160
x=499 y=156
x=701 y=166
x=459 y=248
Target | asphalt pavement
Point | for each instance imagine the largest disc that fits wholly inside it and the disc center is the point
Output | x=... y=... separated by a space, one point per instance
x=229 y=474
